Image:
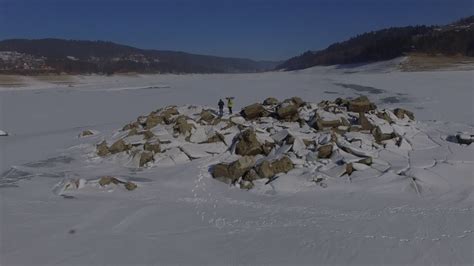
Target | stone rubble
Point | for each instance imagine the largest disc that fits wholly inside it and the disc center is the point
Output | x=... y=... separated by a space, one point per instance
x=267 y=140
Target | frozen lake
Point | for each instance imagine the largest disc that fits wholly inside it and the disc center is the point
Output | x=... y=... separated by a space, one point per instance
x=180 y=216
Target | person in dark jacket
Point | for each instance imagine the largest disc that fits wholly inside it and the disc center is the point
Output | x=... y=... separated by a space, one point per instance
x=221 y=107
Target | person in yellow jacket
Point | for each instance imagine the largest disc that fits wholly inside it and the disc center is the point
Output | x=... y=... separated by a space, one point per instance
x=230 y=104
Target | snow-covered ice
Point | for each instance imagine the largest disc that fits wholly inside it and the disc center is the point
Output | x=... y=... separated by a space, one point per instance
x=179 y=214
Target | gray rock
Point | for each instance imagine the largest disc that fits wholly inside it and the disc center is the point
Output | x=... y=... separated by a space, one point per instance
x=287 y=111
x=297 y=101
x=325 y=151
x=153 y=147
x=119 y=146
x=400 y=113
x=241 y=166
x=254 y=111
x=360 y=104
x=145 y=157
x=182 y=126
x=247 y=144
x=270 y=101
x=268 y=169
x=102 y=149
x=153 y=120
x=230 y=173
x=379 y=136
x=207 y=116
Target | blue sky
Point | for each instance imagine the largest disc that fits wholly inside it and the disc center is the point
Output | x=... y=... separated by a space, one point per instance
x=258 y=29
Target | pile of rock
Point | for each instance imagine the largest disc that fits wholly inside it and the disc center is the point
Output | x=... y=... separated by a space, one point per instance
x=167 y=136
x=268 y=139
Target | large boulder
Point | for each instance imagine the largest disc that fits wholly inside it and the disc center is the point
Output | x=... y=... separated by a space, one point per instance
x=230 y=173
x=182 y=126
x=381 y=133
x=207 y=116
x=254 y=111
x=130 y=126
x=132 y=132
x=241 y=166
x=325 y=151
x=270 y=101
x=287 y=111
x=216 y=137
x=247 y=143
x=147 y=134
x=360 y=104
x=282 y=165
x=168 y=113
x=400 y=113
x=153 y=120
x=297 y=101
x=324 y=119
x=268 y=169
x=102 y=149
x=221 y=172
x=145 y=157
x=265 y=170
x=153 y=147
x=322 y=124
x=119 y=146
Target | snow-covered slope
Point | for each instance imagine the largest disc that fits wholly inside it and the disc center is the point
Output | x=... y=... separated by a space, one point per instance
x=180 y=214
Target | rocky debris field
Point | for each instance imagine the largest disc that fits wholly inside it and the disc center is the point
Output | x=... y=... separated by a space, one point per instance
x=345 y=138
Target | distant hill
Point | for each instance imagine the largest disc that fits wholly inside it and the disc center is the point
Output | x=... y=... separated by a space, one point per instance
x=72 y=56
x=453 y=39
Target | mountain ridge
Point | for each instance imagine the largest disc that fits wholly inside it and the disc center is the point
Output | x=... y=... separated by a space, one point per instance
x=453 y=39
x=82 y=56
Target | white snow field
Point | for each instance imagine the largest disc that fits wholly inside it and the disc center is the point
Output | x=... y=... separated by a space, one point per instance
x=179 y=214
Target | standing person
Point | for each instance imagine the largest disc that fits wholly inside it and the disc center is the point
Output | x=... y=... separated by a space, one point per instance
x=221 y=107
x=230 y=104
